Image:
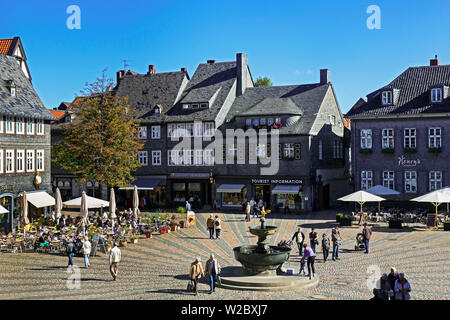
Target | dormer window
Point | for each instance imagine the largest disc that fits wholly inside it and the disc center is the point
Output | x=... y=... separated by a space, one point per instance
x=194 y=106
x=12 y=88
x=386 y=98
x=185 y=106
x=204 y=106
x=436 y=95
x=157 y=111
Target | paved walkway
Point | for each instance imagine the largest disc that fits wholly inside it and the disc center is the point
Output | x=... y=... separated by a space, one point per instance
x=157 y=268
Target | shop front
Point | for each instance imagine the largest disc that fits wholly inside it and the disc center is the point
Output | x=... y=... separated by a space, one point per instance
x=7 y=215
x=192 y=187
x=232 y=195
x=289 y=198
x=151 y=191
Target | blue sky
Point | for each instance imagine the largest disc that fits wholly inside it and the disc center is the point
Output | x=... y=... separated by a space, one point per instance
x=288 y=41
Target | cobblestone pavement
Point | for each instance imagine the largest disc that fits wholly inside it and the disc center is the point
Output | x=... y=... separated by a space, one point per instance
x=157 y=268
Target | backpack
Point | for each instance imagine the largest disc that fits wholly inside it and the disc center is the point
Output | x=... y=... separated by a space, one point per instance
x=217 y=223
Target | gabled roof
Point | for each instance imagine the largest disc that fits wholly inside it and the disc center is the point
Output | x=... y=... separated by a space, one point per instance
x=58 y=114
x=411 y=94
x=271 y=106
x=307 y=99
x=5 y=46
x=211 y=82
x=146 y=91
x=26 y=103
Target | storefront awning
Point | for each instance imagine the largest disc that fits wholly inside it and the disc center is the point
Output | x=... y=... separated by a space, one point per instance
x=40 y=199
x=144 y=184
x=230 y=188
x=282 y=189
x=3 y=210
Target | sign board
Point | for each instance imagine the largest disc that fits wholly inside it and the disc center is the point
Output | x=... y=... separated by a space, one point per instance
x=190 y=218
x=431 y=221
x=277 y=181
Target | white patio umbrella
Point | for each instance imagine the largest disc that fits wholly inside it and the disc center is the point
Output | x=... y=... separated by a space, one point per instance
x=112 y=204
x=3 y=210
x=58 y=204
x=91 y=203
x=84 y=211
x=361 y=197
x=380 y=190
x=25 y=219
x=436 y=198
x=447 y=191
x=135 y=201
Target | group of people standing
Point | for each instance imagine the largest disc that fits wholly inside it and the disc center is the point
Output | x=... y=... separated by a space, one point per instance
x=254 y=208
x=392 y=286
x=214 y=225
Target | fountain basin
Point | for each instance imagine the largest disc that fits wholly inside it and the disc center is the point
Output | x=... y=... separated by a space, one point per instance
x=257 y=263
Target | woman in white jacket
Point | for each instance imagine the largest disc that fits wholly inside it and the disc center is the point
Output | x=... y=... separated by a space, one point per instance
x=402 y=288
x=86 y=251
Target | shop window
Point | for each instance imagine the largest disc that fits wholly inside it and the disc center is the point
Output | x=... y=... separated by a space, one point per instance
x=281 y=200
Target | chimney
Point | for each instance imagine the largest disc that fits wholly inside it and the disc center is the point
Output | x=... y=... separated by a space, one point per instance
x=151 y=69
x=120 y=75
x=241 y=73
x=324 y=76
x=211 y=61
x=184 y=70
x=435 y=61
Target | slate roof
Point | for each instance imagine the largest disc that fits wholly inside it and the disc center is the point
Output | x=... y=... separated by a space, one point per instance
x=211 y=82
x=146 y=91
x=304 y=100
x=412 y=88
x=26 y=103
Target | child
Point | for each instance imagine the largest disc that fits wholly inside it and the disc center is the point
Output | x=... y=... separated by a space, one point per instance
x=302 y=267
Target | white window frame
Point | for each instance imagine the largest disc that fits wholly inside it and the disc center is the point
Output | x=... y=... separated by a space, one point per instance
x=1 y=123
x=435 y=180
x=9 y=161
x=30 y=127
x=156 y=132
x=270 y=121
x=208 y=129
x=288 y=150
x=171 y=158
x=366 y=138
x=198 y=157
x=20 y=161
x=189 y=130
x=386 y=98
x=332 y=119
x=40 y=160
x=434 y=137
x=436 y=95
x=208 y=157
x=142 y=132
x=20 y=125
x=181 y=130
x=366 y=179
x=1 y=161
x=171 y=130
x=188 y=161
x=387 y=138
x=388 y=179
x=143 y=157
x=156 y=158
x=410 y=136
x=30 y=161
x=198 y=129
x=9 y=125
x=40 y=127
x=410 y=181
x=13 y=92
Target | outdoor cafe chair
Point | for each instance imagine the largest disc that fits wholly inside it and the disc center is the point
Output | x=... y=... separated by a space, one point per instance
x=17 y=245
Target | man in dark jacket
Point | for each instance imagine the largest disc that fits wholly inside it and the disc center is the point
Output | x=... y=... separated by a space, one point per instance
x=382 y=292
x=70 y=249
x=391 y=278
x=367 y=233
x=299 y=237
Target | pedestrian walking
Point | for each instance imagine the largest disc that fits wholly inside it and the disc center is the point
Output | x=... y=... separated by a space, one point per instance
x=218 y=226
x=336 y=238
x=210 y=225
x=188 y=206
x=367 y=234
x=392 y=278
x=286 y=207
x=70 y=250
x=212 y=269
x=325 y=247
x=195 y=273
x=86 y=251
x=309 y=257
x=313 y=240
x=247 y=211
x=255 y=211
x=402 y=288
x=299 y=237
x=114 y=258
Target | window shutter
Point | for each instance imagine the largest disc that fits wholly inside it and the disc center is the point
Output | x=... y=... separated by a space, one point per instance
x=297 y=151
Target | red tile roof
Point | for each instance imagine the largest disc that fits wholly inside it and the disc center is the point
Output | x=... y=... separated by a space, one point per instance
x=58 y=114
x=5 y=45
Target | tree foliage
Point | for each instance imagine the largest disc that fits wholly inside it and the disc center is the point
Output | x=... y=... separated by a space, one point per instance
x=263 y=82
x=102 y=141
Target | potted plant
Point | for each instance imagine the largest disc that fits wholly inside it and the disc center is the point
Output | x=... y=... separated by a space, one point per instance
x=339 y=216
x=435 y=150
x=123 y=242
x=447 y=226
x=173 y=225
x=163 y=230
x=134 y=239
x=387 y=150
x=181 y=223
x=395 y=223
x=148 y=234
x=345 y=221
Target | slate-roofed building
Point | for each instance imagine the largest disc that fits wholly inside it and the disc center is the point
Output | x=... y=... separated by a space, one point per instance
x=13 y=47
x=24 y=139
x=399 y=133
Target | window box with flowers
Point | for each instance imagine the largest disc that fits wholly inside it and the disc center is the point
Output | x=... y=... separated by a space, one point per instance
x=291 y=158
x=388 y=150
x=163 y=230
x=134 y=239
x=435 y=150
x=409 y=150
x=277 y=125
x=365 y=150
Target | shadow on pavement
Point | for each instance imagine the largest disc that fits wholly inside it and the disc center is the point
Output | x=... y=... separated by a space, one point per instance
x=172 y=291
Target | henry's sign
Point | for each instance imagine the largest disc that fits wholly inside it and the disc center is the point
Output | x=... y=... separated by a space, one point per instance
x=403 y=162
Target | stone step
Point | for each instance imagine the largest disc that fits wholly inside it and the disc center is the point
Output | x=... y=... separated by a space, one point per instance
x=269 y=283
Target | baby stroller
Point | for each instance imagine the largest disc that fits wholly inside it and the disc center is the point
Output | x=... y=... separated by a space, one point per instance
x=284 y=243
x=360 y=245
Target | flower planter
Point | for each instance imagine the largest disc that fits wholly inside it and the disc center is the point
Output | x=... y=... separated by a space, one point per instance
x=123 y=243
x=148 y=235
x=338 y=217
x=345 y=222
x=182 y=223
x=395 y=224
x=134 y=241
x=447 y=226
x=173 y=227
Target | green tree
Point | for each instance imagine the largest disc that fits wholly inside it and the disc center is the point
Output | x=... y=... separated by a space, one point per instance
x=102 y=141
x=263 y=82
